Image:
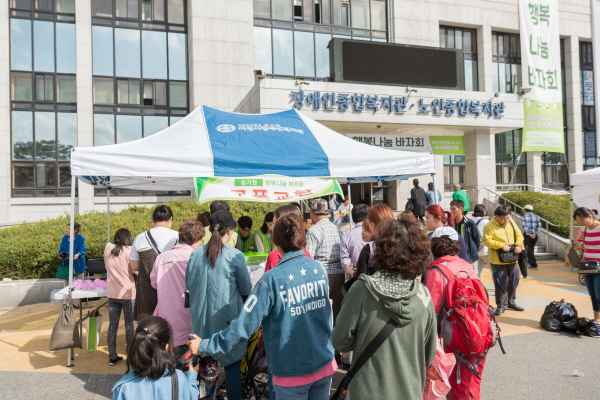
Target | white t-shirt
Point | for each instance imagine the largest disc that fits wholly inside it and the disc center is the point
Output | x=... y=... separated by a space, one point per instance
x=480 y=226
x=165 y=239
x=345 y=209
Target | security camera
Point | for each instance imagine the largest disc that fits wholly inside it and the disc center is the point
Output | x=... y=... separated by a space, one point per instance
x=299 y=82
x=497 y=94
x=410 y=89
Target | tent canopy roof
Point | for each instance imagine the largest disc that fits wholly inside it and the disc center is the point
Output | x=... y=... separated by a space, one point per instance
x=586 y=188
x=214 y=143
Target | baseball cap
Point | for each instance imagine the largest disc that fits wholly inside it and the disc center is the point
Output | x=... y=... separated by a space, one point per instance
x=445 y=231
x=319 y=207
x=223 y=218
x=528 y=207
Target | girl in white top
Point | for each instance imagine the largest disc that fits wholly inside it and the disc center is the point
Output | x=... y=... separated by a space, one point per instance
x=480 y=222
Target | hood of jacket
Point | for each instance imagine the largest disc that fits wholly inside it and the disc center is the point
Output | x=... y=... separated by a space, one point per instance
x=402 y=299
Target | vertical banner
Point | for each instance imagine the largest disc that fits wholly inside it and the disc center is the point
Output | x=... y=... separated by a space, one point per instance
x=543 y=128
x=595 y=5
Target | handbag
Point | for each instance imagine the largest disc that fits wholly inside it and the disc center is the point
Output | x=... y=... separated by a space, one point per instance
x=587 y=267
x=509 y=257
x=65 y=334
x=381 y=337
x=410 y=205
x=62 y=272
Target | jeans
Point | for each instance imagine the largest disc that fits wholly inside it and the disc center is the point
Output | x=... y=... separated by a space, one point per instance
x=318 y=390
x=593 y=286
x=114 y=314
x=233 y=381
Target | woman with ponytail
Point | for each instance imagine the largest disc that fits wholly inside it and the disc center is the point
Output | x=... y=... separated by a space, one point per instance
x=217 y=278
x=292 y=303
x=436 y=217
x=151 y=366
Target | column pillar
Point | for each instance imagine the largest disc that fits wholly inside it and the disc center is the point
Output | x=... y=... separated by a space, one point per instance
x=573 y=101
x=480 y=165
x=534 y=169
x=5 y=150
x=484 y=59
x=85 y=106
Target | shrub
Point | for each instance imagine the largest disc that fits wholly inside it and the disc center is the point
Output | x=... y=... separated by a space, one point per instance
x=29 y=250
x=552 y=207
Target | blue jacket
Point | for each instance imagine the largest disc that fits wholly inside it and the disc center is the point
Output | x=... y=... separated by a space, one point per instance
x=216 y=294
x=472 y=239
x=431 y=197
x=132 y=387
x=78 y=248
x=292 y=302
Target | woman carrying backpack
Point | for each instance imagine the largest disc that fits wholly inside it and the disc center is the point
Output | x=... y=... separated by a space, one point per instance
x=391 y=296
x=445 y=248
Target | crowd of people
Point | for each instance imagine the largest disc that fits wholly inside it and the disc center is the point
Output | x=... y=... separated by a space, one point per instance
x=323 y=293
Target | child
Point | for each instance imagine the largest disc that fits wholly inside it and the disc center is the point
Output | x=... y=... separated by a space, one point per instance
x=78 y=254
x=151 y=363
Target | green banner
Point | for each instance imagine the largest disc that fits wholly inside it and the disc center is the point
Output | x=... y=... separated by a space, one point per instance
x=543 y=129
x=447 y=145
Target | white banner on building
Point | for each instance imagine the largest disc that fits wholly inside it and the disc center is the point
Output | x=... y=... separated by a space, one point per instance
x=543 y=128
x=595 y=4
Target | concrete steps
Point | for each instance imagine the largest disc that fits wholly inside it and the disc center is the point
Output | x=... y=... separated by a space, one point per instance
x=542 y=255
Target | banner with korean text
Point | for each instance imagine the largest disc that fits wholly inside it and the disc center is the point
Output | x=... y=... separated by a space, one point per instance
x=265 y=188
x=543 y=128
x=442 y=145
x=589 y=83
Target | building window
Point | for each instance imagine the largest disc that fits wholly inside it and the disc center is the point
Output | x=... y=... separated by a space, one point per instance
x=588 y=113
x=465 y=40
x=140 y=75
x=291 y=36
x=454 y=171
x=511 y=164
x=506 y=57
x=43 y=94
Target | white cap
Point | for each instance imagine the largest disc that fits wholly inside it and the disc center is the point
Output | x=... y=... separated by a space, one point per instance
x=445 y=231
x=528 y=207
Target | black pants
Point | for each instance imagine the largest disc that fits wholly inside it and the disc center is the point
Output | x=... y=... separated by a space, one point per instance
x=530 y=248
x=506 y=281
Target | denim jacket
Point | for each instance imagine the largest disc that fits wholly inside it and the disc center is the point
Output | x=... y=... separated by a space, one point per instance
x=78 y=248
x=292 y=302
x=133 y=387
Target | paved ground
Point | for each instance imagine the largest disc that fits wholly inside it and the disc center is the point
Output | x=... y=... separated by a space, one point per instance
x=539 y=364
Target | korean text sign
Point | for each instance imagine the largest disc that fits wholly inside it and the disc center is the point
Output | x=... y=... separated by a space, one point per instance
x=543 y=128
x=443 y=145
x=264 y=188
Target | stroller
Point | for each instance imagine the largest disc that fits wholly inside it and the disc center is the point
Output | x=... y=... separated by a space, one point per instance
x=253 y=367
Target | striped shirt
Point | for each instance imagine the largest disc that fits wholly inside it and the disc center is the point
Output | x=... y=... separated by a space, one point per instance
x=591 y=239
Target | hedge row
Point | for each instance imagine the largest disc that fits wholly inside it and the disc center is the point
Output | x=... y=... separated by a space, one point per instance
x=29 y=250
x=552 y=207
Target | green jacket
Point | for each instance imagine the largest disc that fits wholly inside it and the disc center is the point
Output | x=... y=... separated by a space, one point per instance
x=265 y=240
x=397 y=369
x=245 y=245
x=460 y=195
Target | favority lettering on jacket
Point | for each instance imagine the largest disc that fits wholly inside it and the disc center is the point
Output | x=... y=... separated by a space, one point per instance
x=300 y=298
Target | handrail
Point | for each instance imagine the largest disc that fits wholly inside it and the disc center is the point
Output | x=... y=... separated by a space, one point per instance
x=515 y=205
x=541 y=189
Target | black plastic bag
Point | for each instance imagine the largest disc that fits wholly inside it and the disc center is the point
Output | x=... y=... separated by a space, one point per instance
x=565 y=311
x=571 y=326
x=589 y=327
x=549 y=321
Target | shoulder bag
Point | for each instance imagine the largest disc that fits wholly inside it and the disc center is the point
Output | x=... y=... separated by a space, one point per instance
x=381 y=337
x=586 y=267
x=174 y=386
x=510 y=256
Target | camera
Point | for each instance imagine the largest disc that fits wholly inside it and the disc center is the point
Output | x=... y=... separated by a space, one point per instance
x=63 y=256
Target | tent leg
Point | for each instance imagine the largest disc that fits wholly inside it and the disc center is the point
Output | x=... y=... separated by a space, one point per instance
x=570 y=224
x=435 y=196
x=71 y=244
x=108 y=215
x=350 y=204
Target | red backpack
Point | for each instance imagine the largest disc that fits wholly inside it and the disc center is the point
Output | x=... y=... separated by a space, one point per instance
x=468 y=323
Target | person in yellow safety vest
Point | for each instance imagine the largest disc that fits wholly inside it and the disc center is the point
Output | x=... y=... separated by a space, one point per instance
x=262 y=237
x=245 y=241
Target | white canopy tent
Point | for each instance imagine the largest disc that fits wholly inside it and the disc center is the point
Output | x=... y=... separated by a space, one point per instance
x=214 y=143
x=585 y=190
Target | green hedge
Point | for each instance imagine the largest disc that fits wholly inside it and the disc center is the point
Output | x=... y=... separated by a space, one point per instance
x=29 y=250
x=552 y=207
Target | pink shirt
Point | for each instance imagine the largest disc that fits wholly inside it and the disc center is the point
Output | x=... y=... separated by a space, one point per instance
x=592 y=243
x=119 y=281
x=327 y=370
x=274 y=257
x=168 y=278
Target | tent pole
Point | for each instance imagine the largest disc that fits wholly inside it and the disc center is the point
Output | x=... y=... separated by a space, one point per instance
x=350 y=204
x=108 y=214
x=71 y=244
x=571 y=223
x=435 y=196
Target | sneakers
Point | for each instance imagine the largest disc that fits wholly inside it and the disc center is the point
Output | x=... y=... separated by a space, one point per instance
x=532 y=267
x=516 y=307
x=113 y=361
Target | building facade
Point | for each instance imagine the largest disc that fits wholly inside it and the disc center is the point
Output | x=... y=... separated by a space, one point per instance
x=90 y=73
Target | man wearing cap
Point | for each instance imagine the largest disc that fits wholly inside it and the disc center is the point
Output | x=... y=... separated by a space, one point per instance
x=531 y=228
x=323 y=242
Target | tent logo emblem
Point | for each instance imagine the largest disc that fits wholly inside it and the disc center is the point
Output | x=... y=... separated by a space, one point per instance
x=226 y=128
